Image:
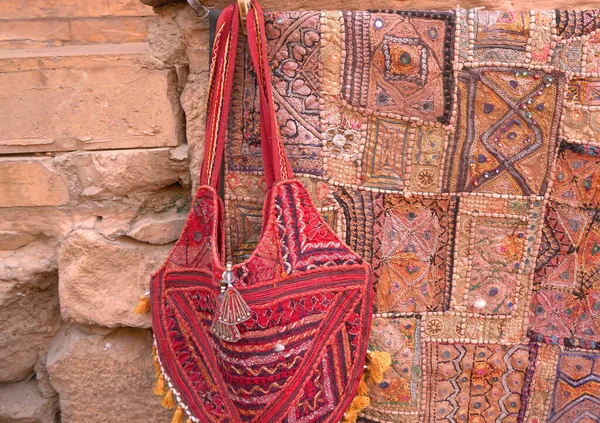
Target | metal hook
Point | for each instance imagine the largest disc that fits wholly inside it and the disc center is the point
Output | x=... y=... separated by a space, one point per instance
x=200 y=10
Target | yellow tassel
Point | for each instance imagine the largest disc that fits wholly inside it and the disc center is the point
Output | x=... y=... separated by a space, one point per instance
x=153 y=350
x=159 y=388
x=379 y=363
x=167 y=401
x=143 y=305
x=188 y=421
x=362 y=387
x=178 y=416
x=359 y=403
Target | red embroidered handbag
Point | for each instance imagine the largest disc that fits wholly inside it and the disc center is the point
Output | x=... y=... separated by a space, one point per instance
x=282 y=336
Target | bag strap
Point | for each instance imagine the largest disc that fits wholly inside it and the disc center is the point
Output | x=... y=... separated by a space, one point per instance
x=275 y=161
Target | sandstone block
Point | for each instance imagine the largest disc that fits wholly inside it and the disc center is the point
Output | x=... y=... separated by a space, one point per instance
x=31 y=182
x=110 y=30
x=29 y=9
x=112 y=173
x=23 y=403
x=33 y=33
x=39 y=33
x=29 y=309
x=105 y=377
x=158 y=229
x=100 y=281
x=94 y=97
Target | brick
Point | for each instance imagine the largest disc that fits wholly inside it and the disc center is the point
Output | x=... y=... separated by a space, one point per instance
x=31 y=182
x=87 y=98
x=29 y=9
x=39 y=33
x=118 y=173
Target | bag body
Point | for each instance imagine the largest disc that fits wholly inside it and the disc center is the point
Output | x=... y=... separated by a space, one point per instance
x=457 y=152
x=282 y=335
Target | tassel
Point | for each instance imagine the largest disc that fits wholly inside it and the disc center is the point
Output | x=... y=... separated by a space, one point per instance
x=232 y=309
x=379 y=363
x=159 y=388
x=178 y=416
x=167 y=401
x=359 y=403
x=157 y=370
x=188 y=421
x=143 y=305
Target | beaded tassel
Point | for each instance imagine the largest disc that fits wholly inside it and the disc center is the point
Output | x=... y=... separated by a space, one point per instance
x=233 y=309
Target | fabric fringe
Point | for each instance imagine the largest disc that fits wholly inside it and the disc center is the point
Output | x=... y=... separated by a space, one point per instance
x=178 y=416
x=143 y=305
x=168 y=401
x=157 y=370
x=377 y=364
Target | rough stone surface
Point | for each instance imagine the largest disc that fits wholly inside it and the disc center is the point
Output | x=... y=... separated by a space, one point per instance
x=24 y=403
x=118 y=173
x=105 y=376
x=100 y=281
x=48 y=102
x=31 y=182
x=158 y=229
x=192 y=100
x=29 y=309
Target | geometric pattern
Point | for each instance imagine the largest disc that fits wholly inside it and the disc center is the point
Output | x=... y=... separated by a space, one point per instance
x=475 y=382
x=296 y=82
x=401 y=64
x=576 y=396
x=577 y=173
x=501 y=36
x=506 y=131
x=412 y=264
x=385 y=152
x=566 y=301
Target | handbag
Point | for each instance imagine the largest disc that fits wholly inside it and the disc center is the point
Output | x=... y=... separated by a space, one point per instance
x=282 y=335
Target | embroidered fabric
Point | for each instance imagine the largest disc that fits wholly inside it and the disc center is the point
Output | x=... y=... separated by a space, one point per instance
x=457 y=152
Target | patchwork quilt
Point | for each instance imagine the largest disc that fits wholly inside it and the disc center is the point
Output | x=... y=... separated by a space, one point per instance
x=459 y=153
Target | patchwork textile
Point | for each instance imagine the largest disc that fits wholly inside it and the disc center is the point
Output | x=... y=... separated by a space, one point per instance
x=458 y=153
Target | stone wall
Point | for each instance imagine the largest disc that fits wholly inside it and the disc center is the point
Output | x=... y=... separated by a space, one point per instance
x=102 y=121
x=94 y=188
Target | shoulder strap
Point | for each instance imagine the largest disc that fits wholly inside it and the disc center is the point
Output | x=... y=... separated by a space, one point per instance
x=276 y=163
